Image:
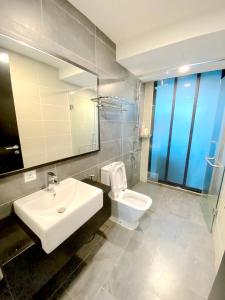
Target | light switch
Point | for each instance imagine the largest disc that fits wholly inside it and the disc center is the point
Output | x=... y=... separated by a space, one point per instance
x=30 y=176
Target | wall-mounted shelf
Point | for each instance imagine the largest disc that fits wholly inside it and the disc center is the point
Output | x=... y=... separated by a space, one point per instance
x=111 y=102
x=145 y=136
x=144 y=132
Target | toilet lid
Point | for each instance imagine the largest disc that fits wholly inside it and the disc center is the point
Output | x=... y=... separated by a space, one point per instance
x=118 y=178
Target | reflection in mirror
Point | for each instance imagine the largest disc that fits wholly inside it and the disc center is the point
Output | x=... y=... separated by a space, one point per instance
x=55 y=116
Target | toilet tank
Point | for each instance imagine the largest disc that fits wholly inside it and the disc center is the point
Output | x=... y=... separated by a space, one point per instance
x=105 y=174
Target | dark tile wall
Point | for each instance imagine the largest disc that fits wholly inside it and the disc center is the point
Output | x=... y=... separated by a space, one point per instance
x=56 y=25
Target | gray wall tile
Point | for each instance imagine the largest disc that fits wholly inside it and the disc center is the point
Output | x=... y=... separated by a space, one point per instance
x=82 y=43
x=57 y=26
x=132 y=164
x=23 y=12
x=117 y=86
x=131 y=115
x=107 y=114
x=130 y=144
x=76 y=165
x=75 y=13
x=85 y=174
x=110 y=130
x=105 y=39
x=110 y=150
x=106 y=60
x=21 y=19
x=130 y=129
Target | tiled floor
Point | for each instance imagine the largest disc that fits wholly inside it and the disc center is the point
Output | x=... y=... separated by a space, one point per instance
x=169 y=257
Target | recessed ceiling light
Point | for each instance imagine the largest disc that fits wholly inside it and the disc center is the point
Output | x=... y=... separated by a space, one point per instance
x=167 y=72
x=71 y=92
x=187 y=85
x=184 y=69
x=4 y=57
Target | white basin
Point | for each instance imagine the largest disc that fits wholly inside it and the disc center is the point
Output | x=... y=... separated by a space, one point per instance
x=54 y=218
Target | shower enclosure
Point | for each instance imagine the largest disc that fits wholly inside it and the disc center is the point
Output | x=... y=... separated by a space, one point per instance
x=186 y=135
x=215 y=164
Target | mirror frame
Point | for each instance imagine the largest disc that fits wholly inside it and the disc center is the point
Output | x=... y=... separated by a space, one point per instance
x=56 y=55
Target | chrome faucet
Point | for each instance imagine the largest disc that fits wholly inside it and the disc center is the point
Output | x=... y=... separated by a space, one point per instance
x=52 y=180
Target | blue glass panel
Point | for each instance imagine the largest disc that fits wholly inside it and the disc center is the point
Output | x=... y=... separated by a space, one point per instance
x=203 y=129
x=162 y=117
x=181 y=127
x=218 y=118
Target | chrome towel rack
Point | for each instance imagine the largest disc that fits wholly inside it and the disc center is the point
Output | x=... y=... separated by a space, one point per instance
x=112 y=102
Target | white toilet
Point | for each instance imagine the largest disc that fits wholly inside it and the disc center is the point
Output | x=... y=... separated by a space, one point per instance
x=127 y=206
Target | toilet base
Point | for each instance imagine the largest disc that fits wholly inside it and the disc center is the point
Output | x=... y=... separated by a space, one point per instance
x=124 y=224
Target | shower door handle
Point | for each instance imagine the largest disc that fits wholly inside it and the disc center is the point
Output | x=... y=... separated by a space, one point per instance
x=214 y=165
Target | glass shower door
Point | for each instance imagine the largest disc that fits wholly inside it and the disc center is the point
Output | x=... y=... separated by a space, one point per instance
x=211 y=197
x=187 y=116
x=215 y=163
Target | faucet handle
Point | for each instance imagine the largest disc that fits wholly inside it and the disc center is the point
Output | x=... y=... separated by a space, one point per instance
x=52 y=177
x=51 y=174
x=91 y=176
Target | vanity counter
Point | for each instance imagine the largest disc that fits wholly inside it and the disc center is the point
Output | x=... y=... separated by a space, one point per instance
x=15 y=238
x=31 y=273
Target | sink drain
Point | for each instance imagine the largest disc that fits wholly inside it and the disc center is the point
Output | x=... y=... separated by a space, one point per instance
x=61 y=210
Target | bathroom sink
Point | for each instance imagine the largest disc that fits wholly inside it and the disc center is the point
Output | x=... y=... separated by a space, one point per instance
x=53 y=217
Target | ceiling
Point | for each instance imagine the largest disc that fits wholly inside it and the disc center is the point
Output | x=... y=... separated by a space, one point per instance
x=202 y=53
x=153 y=36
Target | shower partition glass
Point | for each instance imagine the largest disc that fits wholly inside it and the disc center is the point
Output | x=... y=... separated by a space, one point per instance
x=215 y=162
x=203 y=142
x=182 y=120
x=163 y=103
x=187 y=118
x=210 y=198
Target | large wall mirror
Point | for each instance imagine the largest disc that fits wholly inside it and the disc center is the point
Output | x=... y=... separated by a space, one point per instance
x=46 y=111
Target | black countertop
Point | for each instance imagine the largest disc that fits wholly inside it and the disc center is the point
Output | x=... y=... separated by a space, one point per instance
x=15 y=237
x=24 y=262
x=102 y=186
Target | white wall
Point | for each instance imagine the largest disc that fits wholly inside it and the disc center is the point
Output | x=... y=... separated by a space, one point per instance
x=195 y=27
x=157 y=54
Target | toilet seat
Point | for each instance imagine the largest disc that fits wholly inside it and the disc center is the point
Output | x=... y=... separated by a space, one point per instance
x=134 y=199
x=118 y=178
x=121 y=193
